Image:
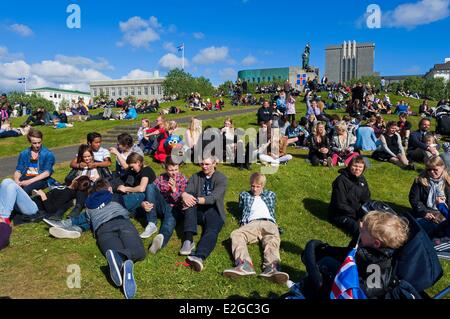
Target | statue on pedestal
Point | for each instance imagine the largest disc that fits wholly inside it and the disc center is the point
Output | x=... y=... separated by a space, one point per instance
x=305 y=57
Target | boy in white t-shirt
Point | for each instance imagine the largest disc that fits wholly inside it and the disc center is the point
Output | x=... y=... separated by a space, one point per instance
x=102 y=157
x=258 y=223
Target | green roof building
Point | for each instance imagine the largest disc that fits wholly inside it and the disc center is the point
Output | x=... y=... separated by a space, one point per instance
x=296 y=76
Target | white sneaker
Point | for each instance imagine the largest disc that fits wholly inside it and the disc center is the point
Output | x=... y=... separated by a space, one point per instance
x=149 y=230
x=157 y=243
x=187 y=248
x=71 y=232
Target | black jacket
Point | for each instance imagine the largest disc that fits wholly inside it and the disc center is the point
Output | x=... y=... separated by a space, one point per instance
x=349 y=193
x=264 y=114
x=418 y=196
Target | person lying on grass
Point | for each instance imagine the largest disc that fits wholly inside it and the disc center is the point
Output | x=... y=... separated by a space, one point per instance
x=14 y=198
x=116 y=236
x=131 y=192
x=258 y=223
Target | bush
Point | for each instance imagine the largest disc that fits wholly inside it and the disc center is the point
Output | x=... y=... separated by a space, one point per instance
x=33 y=101
x=434 y=88
x=182 y=84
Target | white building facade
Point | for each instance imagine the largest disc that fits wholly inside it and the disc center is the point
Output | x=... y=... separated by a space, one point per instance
x=58 y=95
x=440 y=71
x=148 y=89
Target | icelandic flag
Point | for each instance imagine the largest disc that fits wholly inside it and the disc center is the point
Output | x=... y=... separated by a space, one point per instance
x=346 y=282
x=22 y=80
x=180 y=47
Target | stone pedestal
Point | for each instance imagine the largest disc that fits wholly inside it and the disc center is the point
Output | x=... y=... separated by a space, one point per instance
x=299 y=77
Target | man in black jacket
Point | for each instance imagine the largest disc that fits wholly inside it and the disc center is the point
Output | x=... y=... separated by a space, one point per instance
x=350 y=192
x=265 y=113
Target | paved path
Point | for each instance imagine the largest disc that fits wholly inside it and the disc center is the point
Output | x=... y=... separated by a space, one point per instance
x=67 y=153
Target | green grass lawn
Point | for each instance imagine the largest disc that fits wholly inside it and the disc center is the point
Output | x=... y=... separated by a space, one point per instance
x=35 y=265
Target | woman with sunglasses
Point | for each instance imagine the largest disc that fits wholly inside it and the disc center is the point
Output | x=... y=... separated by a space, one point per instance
x=430 y=193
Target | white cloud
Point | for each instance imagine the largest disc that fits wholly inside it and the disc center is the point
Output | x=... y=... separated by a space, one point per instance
x=410 y=15
x=139 y=33
x=153 y=21
x=169 y=46
x=249 y=60
x=6 y=56
x=100 y=64
x=134 y=23
x=21 y=29
x=198 y=35
x=171 y=61
x=138 y=74
x=228 y=74
x=211 y=55
x=47 y=73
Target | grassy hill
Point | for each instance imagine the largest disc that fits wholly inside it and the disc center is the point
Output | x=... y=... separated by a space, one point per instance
x=36 y=265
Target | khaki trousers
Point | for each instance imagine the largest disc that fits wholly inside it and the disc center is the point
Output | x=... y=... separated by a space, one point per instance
x=255 y=231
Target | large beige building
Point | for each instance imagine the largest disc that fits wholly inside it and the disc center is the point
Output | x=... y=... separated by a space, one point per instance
x=349 y=61
x=142 y=89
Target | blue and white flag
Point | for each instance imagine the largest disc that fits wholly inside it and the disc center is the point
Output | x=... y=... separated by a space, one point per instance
x=346 y=282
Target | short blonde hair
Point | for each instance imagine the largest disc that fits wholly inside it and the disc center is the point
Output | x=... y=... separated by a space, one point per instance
x=391 y=230
x=258 y=178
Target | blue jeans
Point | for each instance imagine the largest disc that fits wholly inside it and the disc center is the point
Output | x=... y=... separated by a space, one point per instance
x=81 y=221
x=13 y=197
x=163 y=209
x=133 y=201
x=42 y=184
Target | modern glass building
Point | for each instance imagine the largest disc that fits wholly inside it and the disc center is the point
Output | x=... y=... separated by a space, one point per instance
x=264 y=75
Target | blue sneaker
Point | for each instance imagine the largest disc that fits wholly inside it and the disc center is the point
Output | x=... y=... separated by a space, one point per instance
x=115 y=265
x=129 y=284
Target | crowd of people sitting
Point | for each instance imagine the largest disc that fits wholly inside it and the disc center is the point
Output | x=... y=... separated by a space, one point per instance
x=104 y=200
x=196 y=102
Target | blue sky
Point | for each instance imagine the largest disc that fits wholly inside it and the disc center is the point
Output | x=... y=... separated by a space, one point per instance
x=120 y=39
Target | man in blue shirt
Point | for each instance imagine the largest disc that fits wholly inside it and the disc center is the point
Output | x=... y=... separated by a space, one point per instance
x=35 y=164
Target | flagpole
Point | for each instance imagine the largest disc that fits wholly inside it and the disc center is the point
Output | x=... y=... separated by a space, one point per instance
x=183 y=56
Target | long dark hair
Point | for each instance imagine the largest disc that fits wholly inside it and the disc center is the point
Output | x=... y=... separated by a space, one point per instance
x=83 y=149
